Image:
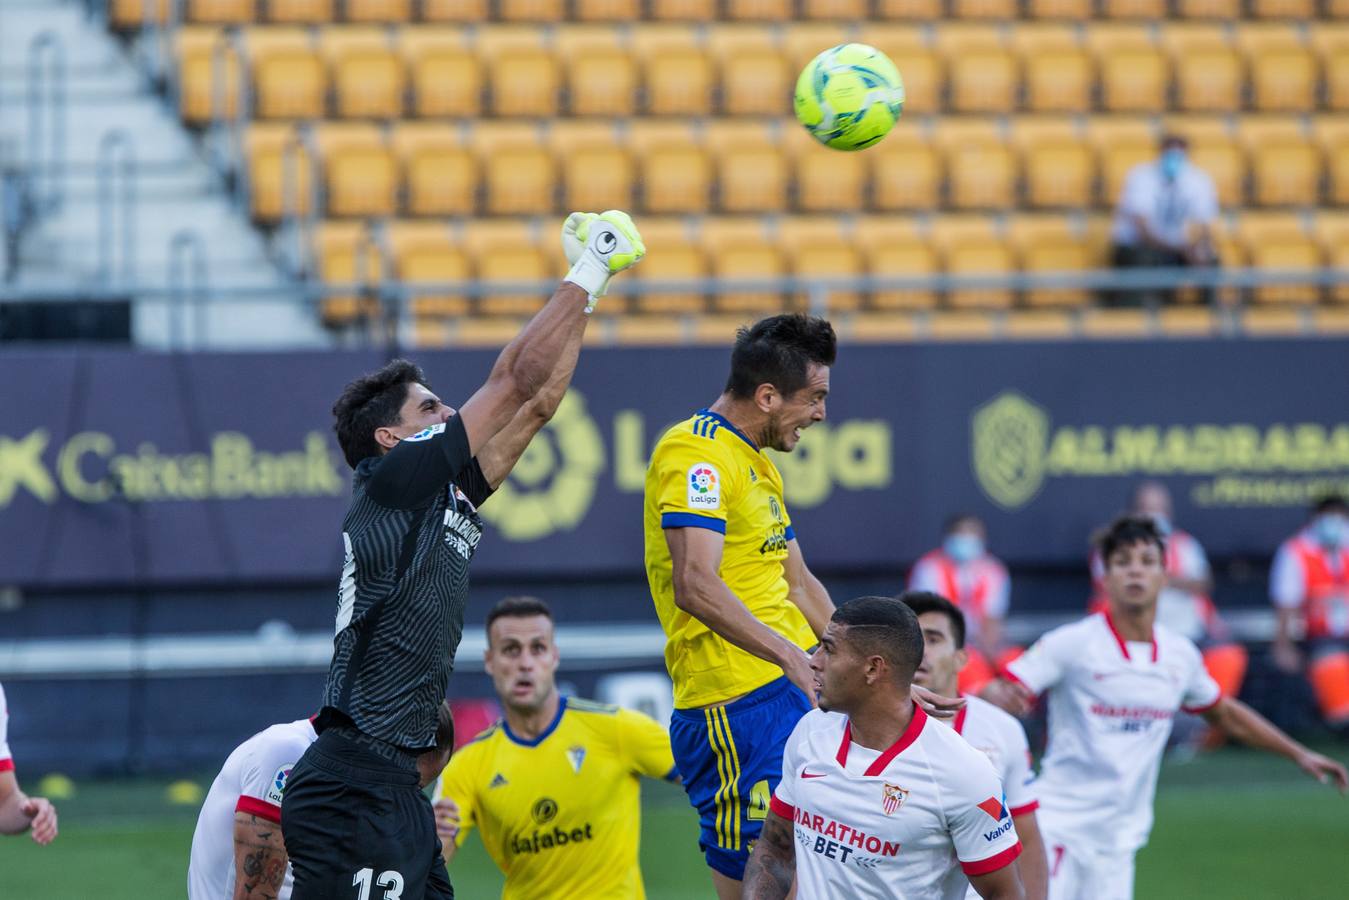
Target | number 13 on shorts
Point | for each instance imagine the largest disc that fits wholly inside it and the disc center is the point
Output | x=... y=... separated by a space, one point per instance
x=391 y=881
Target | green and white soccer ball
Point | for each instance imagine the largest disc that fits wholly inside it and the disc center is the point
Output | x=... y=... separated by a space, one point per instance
x=849 y=97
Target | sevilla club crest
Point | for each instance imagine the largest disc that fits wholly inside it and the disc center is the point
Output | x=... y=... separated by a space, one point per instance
x=892 y=798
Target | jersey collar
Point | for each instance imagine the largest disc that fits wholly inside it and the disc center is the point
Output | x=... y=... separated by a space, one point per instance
x=1119 y=638
x=726 y=423
x=543 y=736
x=959 y=723
x=908 y=737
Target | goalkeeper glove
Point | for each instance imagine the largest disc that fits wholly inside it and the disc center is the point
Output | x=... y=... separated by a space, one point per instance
x=598 y=247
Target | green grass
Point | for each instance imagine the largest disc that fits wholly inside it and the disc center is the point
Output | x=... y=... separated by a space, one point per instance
x=1232 y=825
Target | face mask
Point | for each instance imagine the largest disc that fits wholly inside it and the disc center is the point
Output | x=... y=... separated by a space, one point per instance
x=1173 y=160
x=1331 y=530
x=963 y=547
x=1163 y=524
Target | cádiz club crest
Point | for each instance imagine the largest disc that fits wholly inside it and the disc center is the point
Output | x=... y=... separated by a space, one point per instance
x=1009 y=439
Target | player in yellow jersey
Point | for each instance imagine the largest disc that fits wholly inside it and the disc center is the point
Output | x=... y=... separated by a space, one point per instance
x=739 y=607
x=553 y=788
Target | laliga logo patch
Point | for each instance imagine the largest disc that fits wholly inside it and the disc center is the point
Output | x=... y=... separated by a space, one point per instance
x=426 y=433
x=704 y=487
x=277 y=789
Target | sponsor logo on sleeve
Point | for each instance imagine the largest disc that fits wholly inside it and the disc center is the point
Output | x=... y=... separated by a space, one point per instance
x=704 y=487
x=997 y=810
x=426 y=433
x=277 y=789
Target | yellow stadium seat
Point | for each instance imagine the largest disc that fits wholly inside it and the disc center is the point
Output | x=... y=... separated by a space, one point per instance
x=1283 y=80
x=506 y=251
x=1332 y=136
x=1116 y=324
x=1300 y=10
x=532 y=10
x=608 y=10
x=1208 y=79
x=1278 y=241
x=1116 y=158
x=1254 y=130
x=1329 y=320
x=575 y=41
x=570 y=135
x=981 y=79
x=969 y=246
x=1030 y=38
x=981 y=170
x=360 y=176
x=208 y=75
x=906 y=173
x=1049 y=243
x=671 y=256
x=1275 y=321
x=1335 y=76
x=520 y=180
x=676 y=170
x=440 y=174
x=280 y=172
x=839 y=10
x=1213 y=150
x=347 y=254
x=220 y=12
x=1332 y=234
x=997 y=10
x=454 y=10
x=597 y=178
x=893 y=248
x=378 y=10
x=1285 y=172
x=603 y=84
x=1038 y=324
x=1071 y=10
x=1059 y=172
x=289 y=81
x=909 y=10
x=1133 y=79
x=1058 y=80
x=1187 y=321
x=684 y=10
x=524 y=83
x=816 y=246
x=1148 y=10
x=130 y=14
x=755 y=83
x=426 y=253
x=446 y=80
x=297 y=12
x=1226 y=10
x=678 y=82
x=481 y=331
x=752 y=178
x=883 y=327
x=367 y=75
x=650 y=330
x=962 y=325
x=759 y=10
x=739 y=249
x=826 y=180
x=920 y=66
x=803 y=41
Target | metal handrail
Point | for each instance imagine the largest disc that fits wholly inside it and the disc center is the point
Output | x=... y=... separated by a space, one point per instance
x=117 y=161
x=47 y=106
x=188 y=285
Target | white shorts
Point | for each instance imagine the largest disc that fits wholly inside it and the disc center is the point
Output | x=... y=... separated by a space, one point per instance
x=1080 y=872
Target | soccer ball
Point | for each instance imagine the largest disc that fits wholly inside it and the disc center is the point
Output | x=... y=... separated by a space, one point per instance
x=849 y=97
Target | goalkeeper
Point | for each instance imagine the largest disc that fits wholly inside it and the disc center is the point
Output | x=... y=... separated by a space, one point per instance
x=354 y=821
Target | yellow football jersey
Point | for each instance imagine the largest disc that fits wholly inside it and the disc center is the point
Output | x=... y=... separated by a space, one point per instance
x=705 y=473
x=561 y=814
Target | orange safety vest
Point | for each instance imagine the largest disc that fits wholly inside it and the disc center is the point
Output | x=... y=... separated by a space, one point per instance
x=973 y=602
x=1326 y=588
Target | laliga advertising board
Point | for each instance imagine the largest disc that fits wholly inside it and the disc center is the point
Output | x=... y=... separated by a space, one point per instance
x=206 y=468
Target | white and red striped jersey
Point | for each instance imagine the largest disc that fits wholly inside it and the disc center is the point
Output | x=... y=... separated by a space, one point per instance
x=6 y=760
x=1000 y=737
x=253 y=780
x=910 y=821
x=1111 y=704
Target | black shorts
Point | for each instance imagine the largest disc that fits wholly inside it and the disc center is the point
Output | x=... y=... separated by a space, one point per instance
x=358 y=827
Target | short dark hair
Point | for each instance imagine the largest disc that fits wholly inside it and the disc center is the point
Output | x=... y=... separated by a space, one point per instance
x=517 y=608
x=444 y=727
x=1126 y=531
x=778 y=351
x=1330 y=503
x=374 y=400
x=885 y=627
x=955 y=521
x=923 y=602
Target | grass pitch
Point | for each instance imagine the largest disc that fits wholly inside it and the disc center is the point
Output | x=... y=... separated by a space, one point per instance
x=1233 y=824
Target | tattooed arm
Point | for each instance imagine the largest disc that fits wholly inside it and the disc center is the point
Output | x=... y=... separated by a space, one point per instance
x=259 y=858
x=772 y=866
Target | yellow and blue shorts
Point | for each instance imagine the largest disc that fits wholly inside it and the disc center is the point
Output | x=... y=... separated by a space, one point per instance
x=730 y=758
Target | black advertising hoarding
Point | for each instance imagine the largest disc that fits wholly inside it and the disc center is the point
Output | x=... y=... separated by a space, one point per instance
x=221 y=467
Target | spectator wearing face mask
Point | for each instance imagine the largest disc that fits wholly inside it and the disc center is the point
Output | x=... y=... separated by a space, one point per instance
x=964 y=572
x=1310 y=581
x=1185 y=604
x=1164 y=218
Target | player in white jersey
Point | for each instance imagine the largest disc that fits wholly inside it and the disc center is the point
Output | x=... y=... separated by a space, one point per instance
x=1115 y=681
x=18 y=811
x=876 y=800
x=984 y=727
x=237 y=851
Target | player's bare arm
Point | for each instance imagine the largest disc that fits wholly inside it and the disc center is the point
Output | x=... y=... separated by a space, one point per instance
x=259 y=858
x=447 y=827
x=1001 y=884
x=503 y=451
x=20 y=813
x=1244 y=724
x=1033 y=862
x=805 y=590
x=1287 y=656
x=1013 y=697
x=695 y=556
x=772 y=866
x=603 y=245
